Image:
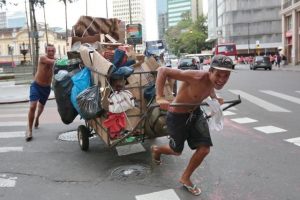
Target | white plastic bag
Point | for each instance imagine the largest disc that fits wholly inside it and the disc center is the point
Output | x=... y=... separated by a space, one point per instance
x=216 y=121
x=120 y=101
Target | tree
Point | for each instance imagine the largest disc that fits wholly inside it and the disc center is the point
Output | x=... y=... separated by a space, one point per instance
x=2 y=3
x=66 y=16
x=188 y=36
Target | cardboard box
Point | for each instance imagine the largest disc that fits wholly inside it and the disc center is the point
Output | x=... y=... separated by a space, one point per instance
x=133 y=117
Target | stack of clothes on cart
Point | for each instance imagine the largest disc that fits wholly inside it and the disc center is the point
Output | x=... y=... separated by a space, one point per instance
x=103 y=79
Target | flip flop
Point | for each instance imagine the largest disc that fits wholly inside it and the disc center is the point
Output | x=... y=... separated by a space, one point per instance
x=194 y=190
x=157 y=162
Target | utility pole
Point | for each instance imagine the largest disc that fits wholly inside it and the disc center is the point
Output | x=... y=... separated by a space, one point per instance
x=86 y=8
x=106 y=9
x=130 y=19
x=46 y=29
x=248 y=40
x=28 y=30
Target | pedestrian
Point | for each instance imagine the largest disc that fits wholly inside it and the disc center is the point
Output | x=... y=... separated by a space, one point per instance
x=278 y=60
x=40 y=89
x=187 y=122
x=194 y=64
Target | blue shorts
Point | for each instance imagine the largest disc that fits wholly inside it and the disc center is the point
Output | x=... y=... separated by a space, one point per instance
x=39 y=93
x=190 y=127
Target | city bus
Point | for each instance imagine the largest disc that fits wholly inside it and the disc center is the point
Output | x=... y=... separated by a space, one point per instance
x=227 y=49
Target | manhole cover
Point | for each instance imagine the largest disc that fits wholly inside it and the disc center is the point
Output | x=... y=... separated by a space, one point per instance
x=130 y=172
x=68 y=136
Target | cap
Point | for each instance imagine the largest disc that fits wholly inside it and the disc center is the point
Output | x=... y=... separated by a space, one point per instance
x=222 y=62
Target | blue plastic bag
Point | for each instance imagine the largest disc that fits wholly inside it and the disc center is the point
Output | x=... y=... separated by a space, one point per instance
x=81 y=81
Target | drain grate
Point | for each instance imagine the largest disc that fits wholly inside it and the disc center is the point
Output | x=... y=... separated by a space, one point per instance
x=69 y=136
x=130 y=172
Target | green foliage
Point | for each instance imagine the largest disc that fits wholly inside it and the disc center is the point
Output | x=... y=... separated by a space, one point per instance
x=188 y=36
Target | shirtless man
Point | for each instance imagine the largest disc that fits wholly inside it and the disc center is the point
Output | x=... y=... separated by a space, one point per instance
x=187 y=122
x=40 y=89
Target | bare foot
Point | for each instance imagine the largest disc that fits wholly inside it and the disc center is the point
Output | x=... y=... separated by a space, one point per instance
x=36 y=124
x=28 y=135
x=155 y=155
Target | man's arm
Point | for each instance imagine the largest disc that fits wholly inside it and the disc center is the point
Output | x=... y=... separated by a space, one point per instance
x=47 y=61
x=214 y=96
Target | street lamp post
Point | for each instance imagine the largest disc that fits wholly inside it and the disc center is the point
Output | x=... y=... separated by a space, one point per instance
x=24 y=51
x=248 y=40
x=11 y=52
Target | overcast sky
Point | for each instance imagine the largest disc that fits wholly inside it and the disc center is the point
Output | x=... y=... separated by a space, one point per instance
x=55 y=11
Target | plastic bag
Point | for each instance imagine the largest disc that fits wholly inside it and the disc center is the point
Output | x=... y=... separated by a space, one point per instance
x=62 y=90
x=89 y=102
x=81 y=81
x=120 y=101
x=217 y=119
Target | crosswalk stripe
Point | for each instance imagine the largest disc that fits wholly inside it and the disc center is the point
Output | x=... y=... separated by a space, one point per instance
x=10 y=149
x=244 y=120
x=228 y=113
x=130 y=149
x=7 y=181
x=161 y=195
x=270 y=129
x=259 y=102
x=295 y=141
x=12 y=134
x=16 y=109
x=282 y=96
x=13 y=123
x=12 y=115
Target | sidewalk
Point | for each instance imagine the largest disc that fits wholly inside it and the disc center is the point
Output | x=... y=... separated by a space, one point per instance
x=11 y=93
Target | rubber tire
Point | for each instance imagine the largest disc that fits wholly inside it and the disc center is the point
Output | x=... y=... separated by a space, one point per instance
x=83 y=137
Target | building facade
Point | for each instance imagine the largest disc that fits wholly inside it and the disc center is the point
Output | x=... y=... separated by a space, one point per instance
x=162 y=17
x=13 y=40
x=176 y=8
x=254 y=25
x=290 y=16
x=131 y=12
x=3 y=20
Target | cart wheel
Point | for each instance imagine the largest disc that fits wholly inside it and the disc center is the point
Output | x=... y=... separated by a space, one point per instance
x=83 y=137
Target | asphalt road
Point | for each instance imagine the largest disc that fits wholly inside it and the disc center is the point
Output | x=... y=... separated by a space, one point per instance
x=256 y=156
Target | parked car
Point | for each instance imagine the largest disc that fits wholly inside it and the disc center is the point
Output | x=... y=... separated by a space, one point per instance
x=186 y=63
x=261 y=62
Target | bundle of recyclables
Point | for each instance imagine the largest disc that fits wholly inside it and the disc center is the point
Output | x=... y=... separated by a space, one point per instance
x=107 y=84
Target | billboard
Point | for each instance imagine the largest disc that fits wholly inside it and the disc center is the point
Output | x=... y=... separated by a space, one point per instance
x=134 y=34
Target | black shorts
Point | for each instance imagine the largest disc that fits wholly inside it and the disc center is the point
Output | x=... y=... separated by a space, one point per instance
x=192 y=127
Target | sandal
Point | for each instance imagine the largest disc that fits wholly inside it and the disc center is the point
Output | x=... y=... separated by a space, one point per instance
x=193 y=189
x=156 y=161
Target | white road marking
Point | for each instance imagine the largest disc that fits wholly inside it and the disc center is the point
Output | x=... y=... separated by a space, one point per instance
x=228 y=113
x=13 y=123
x=282 y=96
x=7 y=181
x=244 y=120
x=130 y=149
x=12 y=134
x=298 y=91
x=270 y=129
x=232 y=108
x=10 y=149
x=161 y=195
x=16 y=109
x=295 y=141
x=13 y=115
x=260 y=102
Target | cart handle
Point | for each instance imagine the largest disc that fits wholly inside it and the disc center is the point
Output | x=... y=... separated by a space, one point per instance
x=230 y=102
